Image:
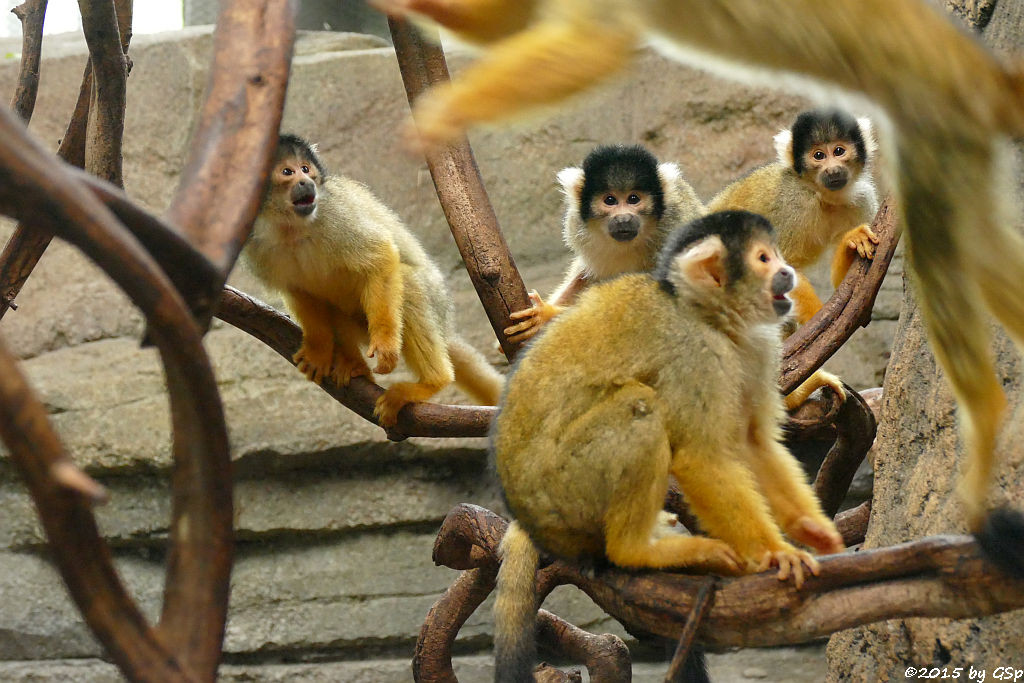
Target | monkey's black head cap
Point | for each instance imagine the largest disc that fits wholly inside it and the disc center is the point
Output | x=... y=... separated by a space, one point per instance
x=818 y=126
x=734 y=228
x=289 y=144
x=623 y=168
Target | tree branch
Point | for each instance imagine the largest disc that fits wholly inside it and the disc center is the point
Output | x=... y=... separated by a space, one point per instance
x=30 y=13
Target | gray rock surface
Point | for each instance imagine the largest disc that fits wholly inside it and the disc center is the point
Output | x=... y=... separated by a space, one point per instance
x=335 y=524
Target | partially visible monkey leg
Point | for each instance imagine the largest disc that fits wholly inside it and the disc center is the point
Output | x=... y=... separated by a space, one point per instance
x=482 y=21
x=805 y=300
x=792 y=501
x=722 y=492
x=382 y=302
x=860 y=241
x=348 y=359
x=624 y=450
x=820 y=378
x=315 y=317
x=426 y=354
x=538 y=66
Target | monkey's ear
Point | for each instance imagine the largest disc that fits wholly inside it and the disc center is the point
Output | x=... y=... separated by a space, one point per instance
x=571 y=180
x=703 y=264
x=784 y=147
x=669 y=174
x=314 y=147
x=867 y=131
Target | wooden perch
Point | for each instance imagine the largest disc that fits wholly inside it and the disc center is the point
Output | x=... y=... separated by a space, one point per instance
x=30 y=13
x=941 y=576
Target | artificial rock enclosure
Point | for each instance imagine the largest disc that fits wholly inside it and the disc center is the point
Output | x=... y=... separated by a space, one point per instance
x=335 y=524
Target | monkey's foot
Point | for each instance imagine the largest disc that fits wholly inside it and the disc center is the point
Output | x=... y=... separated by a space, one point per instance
x=346 y=368
x=386 y=355
x=713 y=556
x=533 y=318
x=861 y=239
x=313 y=362
x=397 y=396
x=819 y=534
x=789 y=560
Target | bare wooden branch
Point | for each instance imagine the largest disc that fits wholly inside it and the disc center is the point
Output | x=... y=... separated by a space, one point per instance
x=284 y=336
x=853 y=524
x=941 y=576
x=606 y=657
x=109 y=87
x=701 y=605
x=848 y=308
x=855 y=432
x=461 y=192
x=30 y=13
x=34 y=185
x=236 y=137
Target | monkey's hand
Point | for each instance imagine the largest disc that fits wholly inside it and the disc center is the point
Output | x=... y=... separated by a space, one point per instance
x=532 y=318
x=346 y=368
x=862 y=240
x=313 y=362
x=789 y=560
x=386 y=355
x=817 y=532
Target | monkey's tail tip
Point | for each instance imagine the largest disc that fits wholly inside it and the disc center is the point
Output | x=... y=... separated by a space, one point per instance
x=1001 y=538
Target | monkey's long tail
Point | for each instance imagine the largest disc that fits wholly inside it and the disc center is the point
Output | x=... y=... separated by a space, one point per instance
x=474 y=374
x=515 y=608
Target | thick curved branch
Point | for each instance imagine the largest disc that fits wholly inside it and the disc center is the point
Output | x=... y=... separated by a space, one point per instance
x=30 y=13
x=34 y=185
x=855 y=432
x=606 y=657
x=284 y=336
x=848 y=308
x=108 y=43
x=941 y=576
x=222 y=182
x=460 y=189
x=432 y=659
x=853 y=524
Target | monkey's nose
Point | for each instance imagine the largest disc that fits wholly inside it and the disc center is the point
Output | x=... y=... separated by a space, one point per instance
x=624 y=228
x=783 y=281
x=835 y=180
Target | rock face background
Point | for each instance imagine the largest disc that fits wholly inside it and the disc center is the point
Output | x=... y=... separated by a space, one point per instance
x=918 y=458
x=335 y=525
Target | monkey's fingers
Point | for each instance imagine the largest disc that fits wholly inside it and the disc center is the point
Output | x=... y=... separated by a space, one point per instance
x=387 y=359
x=312 y=363
x=789 y=560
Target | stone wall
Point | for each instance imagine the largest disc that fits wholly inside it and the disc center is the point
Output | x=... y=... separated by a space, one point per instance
x=335 y=525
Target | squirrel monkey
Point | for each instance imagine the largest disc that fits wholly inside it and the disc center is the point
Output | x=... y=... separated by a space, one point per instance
x=619 y=207
x=352 y=274
x=647 y=375
x=952 y=106
x=819 y=193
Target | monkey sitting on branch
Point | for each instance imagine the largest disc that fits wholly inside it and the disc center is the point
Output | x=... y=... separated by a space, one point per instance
x=619 y=207
x=351 y=273
x=648 y=375
x=952 y=105
x=818 y=194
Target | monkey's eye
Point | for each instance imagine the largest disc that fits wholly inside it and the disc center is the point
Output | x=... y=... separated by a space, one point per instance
x=633 y=199
x=305 y=169
x=763 y=258
x=819 y=155
x=287 y=171
x=839 y=151
x=610 y=200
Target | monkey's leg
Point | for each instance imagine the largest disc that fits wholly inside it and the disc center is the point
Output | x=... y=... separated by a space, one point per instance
x=426 y=354
x=859 y=241
x=382 y=302
x=538 y=66
x=820 y=378
x=482 y=21
x=348 y=359
x=805 y=300
x=722 y=492
x=315 y=355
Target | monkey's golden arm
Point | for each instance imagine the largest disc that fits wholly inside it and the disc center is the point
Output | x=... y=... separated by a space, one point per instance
x=860 y=241
x=533 y=318
x=481 y=21
x=722 y=492
x=790 y=498
x=805 y=300
x=316 y=353
x=538 y=66
x=382 y=303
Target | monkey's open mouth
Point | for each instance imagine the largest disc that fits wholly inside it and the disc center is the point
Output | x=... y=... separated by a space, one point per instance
x=305 y=205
